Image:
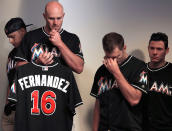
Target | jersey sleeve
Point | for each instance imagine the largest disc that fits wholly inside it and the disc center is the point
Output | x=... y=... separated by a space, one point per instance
x=140 y=79
x=23 y=50
x=77 y=46
x=95 y=86
x=12 y=97
x=74 y=98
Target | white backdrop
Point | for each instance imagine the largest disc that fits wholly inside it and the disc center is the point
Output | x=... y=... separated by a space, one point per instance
x=90 y=20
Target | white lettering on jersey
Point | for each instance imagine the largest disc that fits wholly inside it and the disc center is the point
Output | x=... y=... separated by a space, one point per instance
x=60 y=84
x=67 y=84
x=50 y=81
x=32 y=80
x=154 y=87
x=55 y=82
x=26 y=82
x=44 y=81
x=11 y=64
x=162 y=88
x=106 y=84
x=39 y=48
x=21 y=84
x=37 y=80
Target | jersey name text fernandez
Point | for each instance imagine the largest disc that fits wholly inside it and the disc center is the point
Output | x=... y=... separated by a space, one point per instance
x=44 y=80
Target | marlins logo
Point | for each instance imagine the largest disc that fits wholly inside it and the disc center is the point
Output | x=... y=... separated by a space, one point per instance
x=13 y=88
x=36 y=50
x=10 y=64
x=106 y=84
x=143 y=78
x=39 y=48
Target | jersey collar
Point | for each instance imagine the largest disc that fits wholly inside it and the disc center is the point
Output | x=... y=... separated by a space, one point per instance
x=52 y=65
x=126 y=61
x=157 y=69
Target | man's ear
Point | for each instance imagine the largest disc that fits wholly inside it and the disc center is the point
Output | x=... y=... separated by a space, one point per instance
x=44 y=15
x=167 y=50
x=125 y=47
x=22 y=30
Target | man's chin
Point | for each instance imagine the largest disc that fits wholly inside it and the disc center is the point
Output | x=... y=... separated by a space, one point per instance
x=55 y=28
x=155 y=62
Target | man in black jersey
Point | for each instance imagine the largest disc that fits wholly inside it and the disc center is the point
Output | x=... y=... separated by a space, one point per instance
x=57 y=42
x=45 y=97
x=118 y=87
x=15 y=29
x=159 y=99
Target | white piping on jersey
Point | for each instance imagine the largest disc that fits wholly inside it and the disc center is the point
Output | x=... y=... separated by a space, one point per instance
x=74 y=113
x=93 y=95
x=159 y=68
x=20 y=58
x=126 y=61
x=139 y=88
x=12 y=99
x=44 y=66
x=79 y=56
x=61 y=31
x=80 y=103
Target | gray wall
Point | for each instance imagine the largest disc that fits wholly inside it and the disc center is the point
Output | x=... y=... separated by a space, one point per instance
x=91 y=19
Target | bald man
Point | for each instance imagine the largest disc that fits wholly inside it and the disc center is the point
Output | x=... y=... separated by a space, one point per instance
x=51 y=42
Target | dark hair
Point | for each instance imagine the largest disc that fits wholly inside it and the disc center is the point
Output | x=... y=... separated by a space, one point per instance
x=14 y=24
x=159 y=36
x=111 y=40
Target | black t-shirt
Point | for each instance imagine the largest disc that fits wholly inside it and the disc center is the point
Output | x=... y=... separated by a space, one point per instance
x=37 y=41
x=159 y=100
x=115 y=112
x=45 y=97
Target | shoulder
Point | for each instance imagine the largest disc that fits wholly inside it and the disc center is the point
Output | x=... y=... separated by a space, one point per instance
x=133 y=65
x=34 y=32
x=137 y=62
x=67 y=34
x=12 y=52
x=101 y=70
x=170 y=64
x=24 y=69
x=64 y=69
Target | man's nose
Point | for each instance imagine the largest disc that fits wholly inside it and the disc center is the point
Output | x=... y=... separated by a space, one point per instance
x=55 y=21
x=154 y=51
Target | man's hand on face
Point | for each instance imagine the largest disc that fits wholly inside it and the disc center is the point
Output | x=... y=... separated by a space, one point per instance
x=111 y=65
x=45 y=58
x=55 y=37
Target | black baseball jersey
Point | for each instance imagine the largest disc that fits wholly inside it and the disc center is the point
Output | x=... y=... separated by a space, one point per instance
x=45 y=96
x=36 y=41
x=115 y=112
x=10 y=67
x=159 y=100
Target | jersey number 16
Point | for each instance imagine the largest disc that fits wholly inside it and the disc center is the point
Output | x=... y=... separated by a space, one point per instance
x=47 y=102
